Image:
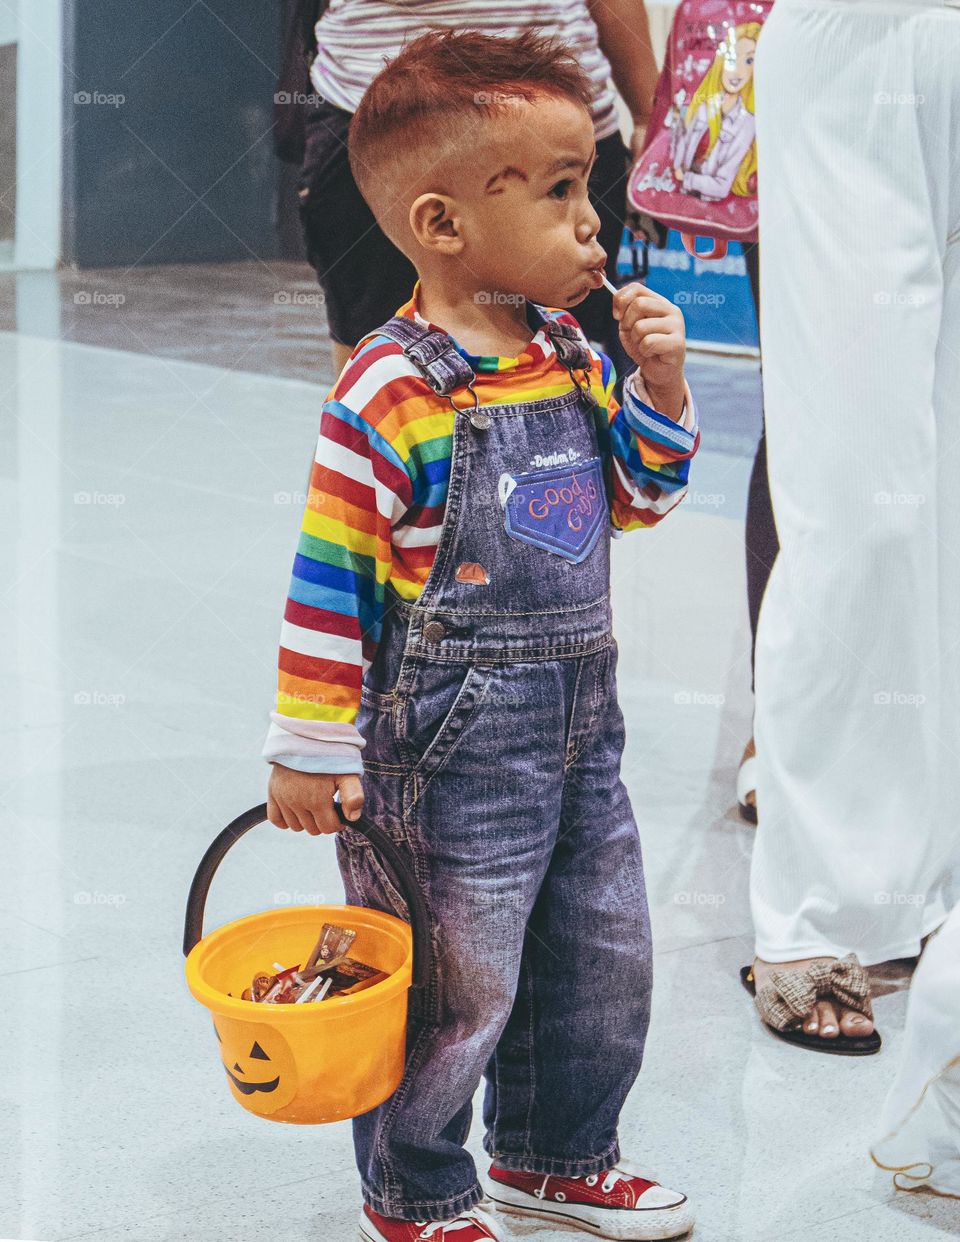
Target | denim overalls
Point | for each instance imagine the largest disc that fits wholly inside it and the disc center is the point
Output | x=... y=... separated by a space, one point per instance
x=493 y=758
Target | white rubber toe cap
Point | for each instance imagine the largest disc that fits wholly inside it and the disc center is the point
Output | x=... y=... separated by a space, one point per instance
x=660 y=1197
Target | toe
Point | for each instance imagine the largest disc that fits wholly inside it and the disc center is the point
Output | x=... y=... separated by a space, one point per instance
x=829 y=1022
x=660 y=1197
x=853 y=1023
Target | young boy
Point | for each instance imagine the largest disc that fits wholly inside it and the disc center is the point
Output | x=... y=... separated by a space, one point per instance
x=449 y=616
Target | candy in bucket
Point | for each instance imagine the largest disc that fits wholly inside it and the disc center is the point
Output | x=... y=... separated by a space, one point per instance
x=329 y=971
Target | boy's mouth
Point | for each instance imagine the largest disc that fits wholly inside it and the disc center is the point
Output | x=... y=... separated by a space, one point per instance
x=596 y=273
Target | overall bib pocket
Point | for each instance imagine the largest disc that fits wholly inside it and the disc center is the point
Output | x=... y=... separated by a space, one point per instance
x=561 y=509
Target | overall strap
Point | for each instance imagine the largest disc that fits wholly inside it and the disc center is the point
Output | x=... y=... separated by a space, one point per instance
x=574 y=352
x=569 y=342
x=433 y=352
x=445 y=368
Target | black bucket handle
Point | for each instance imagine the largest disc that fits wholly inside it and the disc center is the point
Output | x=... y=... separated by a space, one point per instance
x=391 y=859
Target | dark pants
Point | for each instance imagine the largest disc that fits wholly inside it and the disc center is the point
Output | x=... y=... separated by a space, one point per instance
x=760 y=536
x=364 y=277
x=608 y=193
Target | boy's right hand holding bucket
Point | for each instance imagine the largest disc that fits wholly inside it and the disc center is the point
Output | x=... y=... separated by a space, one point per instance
x=304 y=802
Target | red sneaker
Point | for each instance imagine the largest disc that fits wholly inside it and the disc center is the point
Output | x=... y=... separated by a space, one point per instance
x=621 y=1203
x=472 y=1226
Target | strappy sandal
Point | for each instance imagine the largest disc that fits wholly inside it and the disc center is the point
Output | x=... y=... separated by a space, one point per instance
x=787 y=1000
x=747 y=784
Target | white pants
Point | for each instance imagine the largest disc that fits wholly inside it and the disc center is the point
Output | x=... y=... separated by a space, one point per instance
x=858 y=651
x=920 y=1124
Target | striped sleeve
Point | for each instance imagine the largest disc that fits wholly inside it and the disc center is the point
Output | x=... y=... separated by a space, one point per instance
x=359 y=489
x=651 y=452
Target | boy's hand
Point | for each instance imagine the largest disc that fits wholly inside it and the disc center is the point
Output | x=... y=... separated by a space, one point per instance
x=653 y=333
x=303 y=801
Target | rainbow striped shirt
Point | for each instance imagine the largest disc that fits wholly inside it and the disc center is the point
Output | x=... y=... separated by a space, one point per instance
x=375 y=509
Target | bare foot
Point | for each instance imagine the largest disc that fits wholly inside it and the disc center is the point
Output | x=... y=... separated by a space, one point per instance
x=828 y=1019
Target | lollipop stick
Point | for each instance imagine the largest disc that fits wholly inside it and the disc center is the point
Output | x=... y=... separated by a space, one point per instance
x=608 y=284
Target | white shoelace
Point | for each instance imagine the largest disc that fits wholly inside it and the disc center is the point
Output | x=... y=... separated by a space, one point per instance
x=610 y=1180
x=474 y=1218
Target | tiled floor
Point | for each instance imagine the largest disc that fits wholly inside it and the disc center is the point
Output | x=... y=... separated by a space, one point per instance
x=154 y=495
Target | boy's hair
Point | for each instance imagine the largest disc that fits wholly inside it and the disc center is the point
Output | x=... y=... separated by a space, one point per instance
x=435 y=94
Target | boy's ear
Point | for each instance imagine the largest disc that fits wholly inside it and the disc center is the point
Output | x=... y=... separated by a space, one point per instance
x=435 y=223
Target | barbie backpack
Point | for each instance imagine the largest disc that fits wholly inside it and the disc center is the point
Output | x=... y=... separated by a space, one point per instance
x=698 y=170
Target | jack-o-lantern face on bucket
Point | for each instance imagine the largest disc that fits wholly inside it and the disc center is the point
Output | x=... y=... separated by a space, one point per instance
x=258 y=1064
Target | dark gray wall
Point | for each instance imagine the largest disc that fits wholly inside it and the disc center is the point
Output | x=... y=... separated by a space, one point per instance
x=8 y=140
x=178 y=167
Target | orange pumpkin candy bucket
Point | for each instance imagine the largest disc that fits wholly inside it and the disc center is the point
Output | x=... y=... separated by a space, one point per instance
x=312 y=1063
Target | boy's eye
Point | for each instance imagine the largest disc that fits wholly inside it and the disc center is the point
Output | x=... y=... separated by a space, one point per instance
x=560 y=189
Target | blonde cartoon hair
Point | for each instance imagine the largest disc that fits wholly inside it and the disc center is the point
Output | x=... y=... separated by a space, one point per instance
x=710 y=93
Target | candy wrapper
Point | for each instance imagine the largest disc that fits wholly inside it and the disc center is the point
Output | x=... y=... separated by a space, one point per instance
x=259 y=988
x=331 y=947
x=328 y=972
x=351 y=976
x=285 y=988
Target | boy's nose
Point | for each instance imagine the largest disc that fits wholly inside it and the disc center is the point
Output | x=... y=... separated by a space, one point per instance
x=588 y=226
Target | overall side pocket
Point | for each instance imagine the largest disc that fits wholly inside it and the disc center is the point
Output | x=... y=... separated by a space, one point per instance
x=434 y=707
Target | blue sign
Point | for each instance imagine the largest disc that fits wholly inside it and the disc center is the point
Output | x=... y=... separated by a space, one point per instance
x=714 y=294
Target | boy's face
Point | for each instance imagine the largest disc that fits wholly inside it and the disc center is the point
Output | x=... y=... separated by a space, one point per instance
x=527 y=225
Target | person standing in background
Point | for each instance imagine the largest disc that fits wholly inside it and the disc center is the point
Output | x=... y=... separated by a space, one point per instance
x=858 y=648
x=761 y=547
x=919 y=1128
x=363 y=275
